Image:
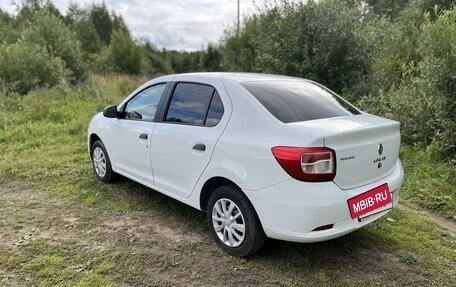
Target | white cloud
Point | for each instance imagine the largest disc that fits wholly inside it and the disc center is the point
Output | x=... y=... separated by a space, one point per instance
x=173 y=24
x=181 y=24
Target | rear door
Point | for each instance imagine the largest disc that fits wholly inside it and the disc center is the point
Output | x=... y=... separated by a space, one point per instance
x=183 y=142
x=131 y=134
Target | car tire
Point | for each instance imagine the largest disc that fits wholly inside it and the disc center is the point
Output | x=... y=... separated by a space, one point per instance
x=233 y=222
x=101 y=163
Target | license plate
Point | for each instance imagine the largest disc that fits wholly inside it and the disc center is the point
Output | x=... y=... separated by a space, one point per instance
x=370 y=201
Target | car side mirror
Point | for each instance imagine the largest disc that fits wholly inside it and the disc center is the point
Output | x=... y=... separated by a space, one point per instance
x=110 y=112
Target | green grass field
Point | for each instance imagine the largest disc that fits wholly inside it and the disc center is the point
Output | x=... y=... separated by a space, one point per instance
x=59 y=226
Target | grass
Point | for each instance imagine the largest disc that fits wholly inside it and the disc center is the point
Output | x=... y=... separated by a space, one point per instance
x=79 y=232
x=49 y=268
x=43 y=136
x=429 y=183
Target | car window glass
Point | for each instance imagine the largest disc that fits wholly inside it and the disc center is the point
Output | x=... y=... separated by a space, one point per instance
x=296 y=101
x=215 y=111
x=144 y=105
x=189 y=103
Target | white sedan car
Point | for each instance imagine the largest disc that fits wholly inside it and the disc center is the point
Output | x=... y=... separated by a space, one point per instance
x=263 y=155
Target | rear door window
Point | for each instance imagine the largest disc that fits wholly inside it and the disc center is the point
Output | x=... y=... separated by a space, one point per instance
x=215 y=111
x=195 y=104
x=296 y=101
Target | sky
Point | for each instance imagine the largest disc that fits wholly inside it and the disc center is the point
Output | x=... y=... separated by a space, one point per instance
x=174 y=24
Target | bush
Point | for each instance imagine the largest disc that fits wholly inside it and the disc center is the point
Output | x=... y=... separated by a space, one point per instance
x=50 y=32
x=396 y=56
x=100 y=63
x=239 y=51
x=417 y=80
x=437 y=47
x=7 y=31
x=418 y=112
x=25 y=66
x=320 y=41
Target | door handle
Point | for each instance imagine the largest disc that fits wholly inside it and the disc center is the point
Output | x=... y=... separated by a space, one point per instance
x=200 y=146
x=143 y=136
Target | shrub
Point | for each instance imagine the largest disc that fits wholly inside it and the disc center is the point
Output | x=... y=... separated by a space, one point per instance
x=417 y=80
x=50 y=32
x=321 y=41
x=100 y=63
x=7 y=31
x=418 y=112
x=24 y=66
x=437 y=47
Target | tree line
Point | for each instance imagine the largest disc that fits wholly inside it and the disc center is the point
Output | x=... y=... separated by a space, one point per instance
x=396 y=58
x=41 y=47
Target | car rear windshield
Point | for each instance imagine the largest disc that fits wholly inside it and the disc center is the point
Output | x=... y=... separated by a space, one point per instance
x=297 y=101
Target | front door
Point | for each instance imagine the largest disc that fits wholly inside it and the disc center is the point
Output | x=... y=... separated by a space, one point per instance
x=130 y=135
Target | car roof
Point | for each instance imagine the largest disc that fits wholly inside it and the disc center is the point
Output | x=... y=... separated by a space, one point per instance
x=235 y=76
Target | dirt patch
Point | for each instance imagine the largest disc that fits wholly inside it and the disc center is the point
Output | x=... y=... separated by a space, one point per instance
x=442 y=221
x=138 y=238
x=157 y=246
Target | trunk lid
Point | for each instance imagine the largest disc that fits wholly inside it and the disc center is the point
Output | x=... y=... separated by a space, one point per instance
x=366 y=146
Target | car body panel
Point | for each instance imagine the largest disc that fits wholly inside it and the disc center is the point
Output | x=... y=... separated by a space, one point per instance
x=136 y=159
x=314 y=205
x=356 y=140
x=177 y=165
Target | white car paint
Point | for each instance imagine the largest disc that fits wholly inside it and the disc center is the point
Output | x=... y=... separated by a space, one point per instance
x=239 y=150
x=136 y=161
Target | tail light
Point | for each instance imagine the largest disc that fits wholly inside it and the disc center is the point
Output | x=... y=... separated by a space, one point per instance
x=314 y=164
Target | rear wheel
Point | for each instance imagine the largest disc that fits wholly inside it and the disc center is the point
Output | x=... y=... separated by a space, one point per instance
x=101 y=163
x=234 y=222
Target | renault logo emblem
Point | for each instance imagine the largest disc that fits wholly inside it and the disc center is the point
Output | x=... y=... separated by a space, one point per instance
x=380 y=149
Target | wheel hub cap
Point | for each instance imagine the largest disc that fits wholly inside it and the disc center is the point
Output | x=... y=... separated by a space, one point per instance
x=99 y=161
x=228 y=222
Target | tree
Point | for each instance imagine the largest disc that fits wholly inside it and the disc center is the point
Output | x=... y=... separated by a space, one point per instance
x=79 y=21
x=118 y=23
x=8 y=33
x=88 y=36
x=28 y=8
x=102 y=21
x=51 y=33
x=393 y=8
x=124 y=54
x=322 y=41
x=184 y=61
x=396 y=55
x=239 y=50
x=210 y=59
x=153 y=62
x=389 y=8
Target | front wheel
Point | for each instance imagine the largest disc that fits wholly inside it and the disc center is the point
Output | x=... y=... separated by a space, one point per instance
x=102 y=163
x=234 y=222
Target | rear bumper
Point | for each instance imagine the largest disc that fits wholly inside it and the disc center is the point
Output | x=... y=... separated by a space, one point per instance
x=290 y=210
